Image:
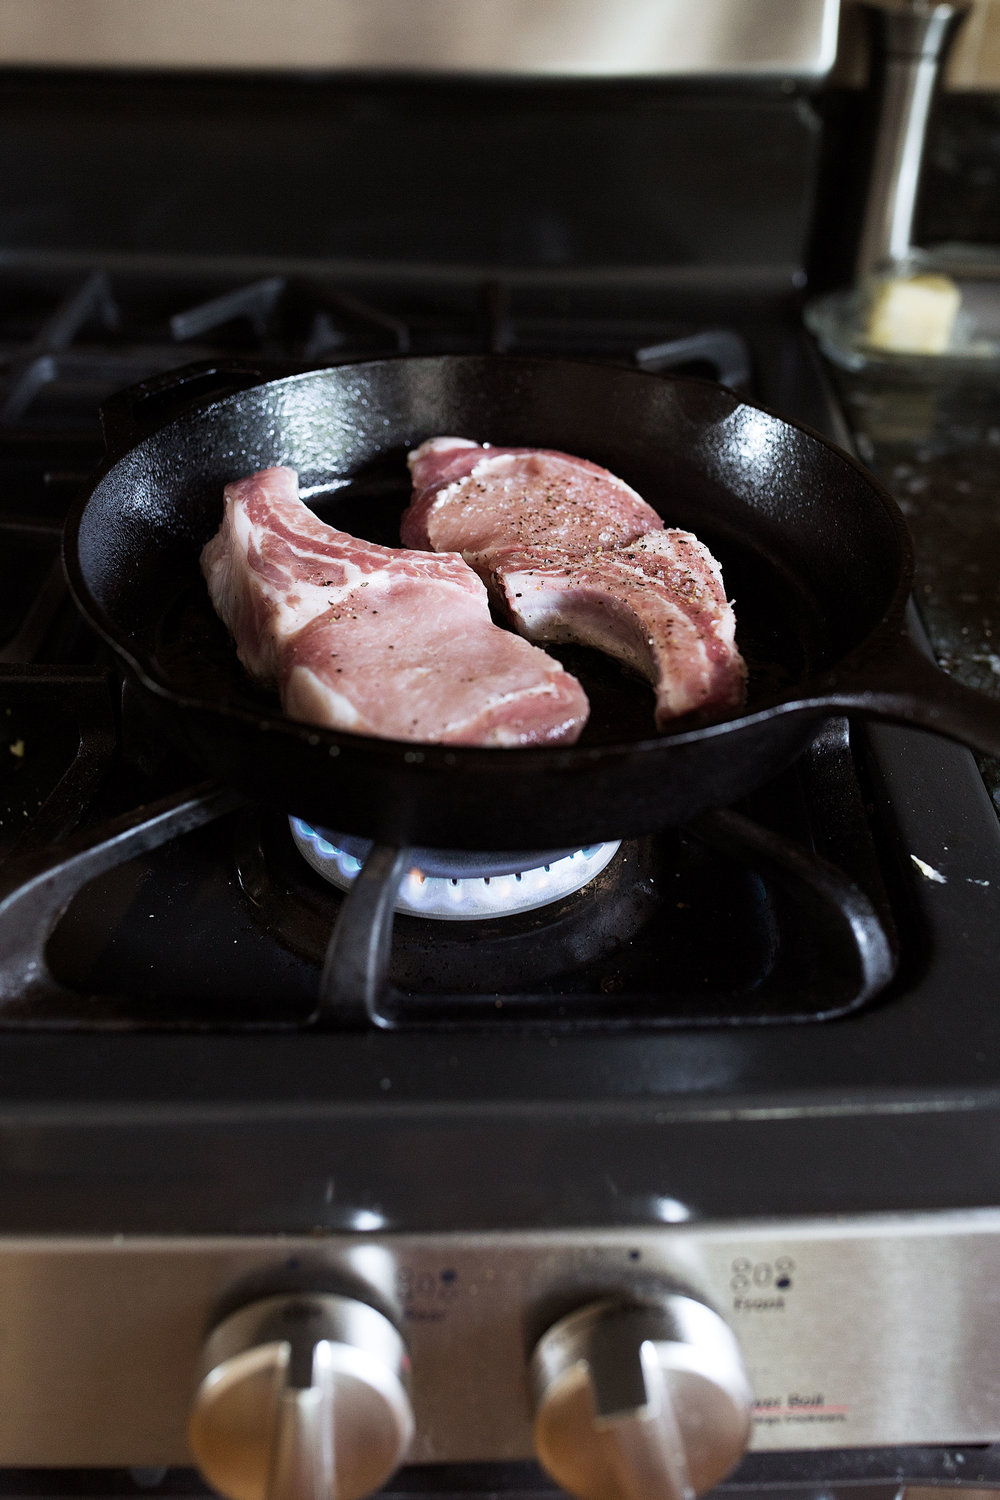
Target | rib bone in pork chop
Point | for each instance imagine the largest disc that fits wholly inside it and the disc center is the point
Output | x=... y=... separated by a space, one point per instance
x=374 y=639
x=484 y=501
x=576 y=555
x=657 y=605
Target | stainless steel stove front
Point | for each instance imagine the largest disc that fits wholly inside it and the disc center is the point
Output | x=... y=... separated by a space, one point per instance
x=856 y=1333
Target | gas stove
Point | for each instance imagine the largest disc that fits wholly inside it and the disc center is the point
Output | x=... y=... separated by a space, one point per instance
x=747 y=1064
x=714 y=1127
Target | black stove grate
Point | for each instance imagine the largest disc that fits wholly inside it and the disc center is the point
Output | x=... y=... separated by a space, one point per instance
x=809 y=935
x=70 y=337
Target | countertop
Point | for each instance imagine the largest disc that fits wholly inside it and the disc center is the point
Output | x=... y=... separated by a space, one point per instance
x=931 y=436
x=934 y=442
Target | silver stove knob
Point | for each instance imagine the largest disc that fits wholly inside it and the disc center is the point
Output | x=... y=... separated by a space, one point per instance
x=304 y=1398
x=640 y=1401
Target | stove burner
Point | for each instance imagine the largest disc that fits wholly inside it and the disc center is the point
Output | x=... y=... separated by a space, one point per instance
x=463 y=887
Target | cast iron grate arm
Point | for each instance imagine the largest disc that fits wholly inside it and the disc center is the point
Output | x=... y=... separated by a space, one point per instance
x=36 y=889
x=855 y=943
x=37 y=365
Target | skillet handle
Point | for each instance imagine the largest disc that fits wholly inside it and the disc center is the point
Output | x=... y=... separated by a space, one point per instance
x=132 y=414
x=906 y=687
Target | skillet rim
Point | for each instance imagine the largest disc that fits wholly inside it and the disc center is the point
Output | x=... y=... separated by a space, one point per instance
x=435 y=755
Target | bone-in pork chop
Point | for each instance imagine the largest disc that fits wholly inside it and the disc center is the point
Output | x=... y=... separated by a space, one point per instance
x=376 y=640
x=574 y=554
x=484 y=501
x=658 y=606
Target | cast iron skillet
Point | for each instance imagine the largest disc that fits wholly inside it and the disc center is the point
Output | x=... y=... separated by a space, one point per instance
x=814 y=553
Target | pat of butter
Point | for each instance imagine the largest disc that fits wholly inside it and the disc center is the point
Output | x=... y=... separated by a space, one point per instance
x=914 y=314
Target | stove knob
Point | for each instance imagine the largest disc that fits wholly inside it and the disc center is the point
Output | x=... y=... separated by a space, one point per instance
x=303 y=1399
x=640 y=1401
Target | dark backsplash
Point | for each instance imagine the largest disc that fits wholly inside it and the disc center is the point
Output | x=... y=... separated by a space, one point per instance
x=961 y=188
x=487 y=174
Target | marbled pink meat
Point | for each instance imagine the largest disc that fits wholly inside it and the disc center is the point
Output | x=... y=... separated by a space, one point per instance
x=657 y=605
x=574 y=554
x=484 y=502
x=375 y=639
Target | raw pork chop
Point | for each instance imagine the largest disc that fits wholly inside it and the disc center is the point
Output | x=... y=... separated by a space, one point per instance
x=375 y=639
x=657 y=605
x=484 y=501
x=574 y=554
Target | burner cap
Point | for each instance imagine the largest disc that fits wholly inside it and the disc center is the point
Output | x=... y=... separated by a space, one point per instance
x=460 y=885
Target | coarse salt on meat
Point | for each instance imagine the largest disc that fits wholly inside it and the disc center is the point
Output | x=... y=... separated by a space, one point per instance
x=483 y=502
x=372 y=639
x=657 y=605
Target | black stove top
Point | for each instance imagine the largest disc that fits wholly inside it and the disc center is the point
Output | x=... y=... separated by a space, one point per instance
x=824 y=955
